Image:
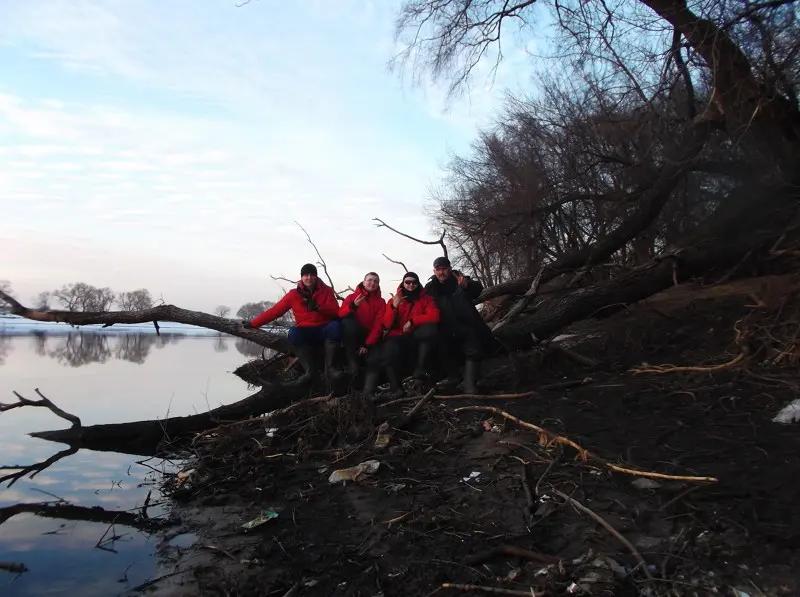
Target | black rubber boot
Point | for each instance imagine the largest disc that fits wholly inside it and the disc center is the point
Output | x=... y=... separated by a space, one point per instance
x=305 y=356
x=471 y=377
x=330 y=354
x=394 y=383
x=370 y=383
x=423 y=352
x=352 y=361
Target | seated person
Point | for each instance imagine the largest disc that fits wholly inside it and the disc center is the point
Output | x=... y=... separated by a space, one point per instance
x=316 y=313
x=462 y=331
x=410 y=320
x=362 y=320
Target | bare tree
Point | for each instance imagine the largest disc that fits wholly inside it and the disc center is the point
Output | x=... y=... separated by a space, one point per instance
x=42 y=301
x=5 y=286
x=222 y=311
x=84 y=297
x=135 y=300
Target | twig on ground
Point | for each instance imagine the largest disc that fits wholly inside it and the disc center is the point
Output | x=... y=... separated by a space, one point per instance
x=548 y=437
x=576 y=504
x=571 y=354
x=460 y=397
x=687 y=369
x=566 y=385
x=494 y=590
x=512 y=551
x=45 y=402
x=406 y=420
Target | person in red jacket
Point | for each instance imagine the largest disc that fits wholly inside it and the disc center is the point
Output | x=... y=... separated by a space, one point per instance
x=362 y=320
x=410 y=319
x=316 y=315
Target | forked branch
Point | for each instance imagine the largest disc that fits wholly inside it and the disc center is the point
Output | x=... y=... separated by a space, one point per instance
x=439 y=241
x=23 y=470
x=400 y=263
x=321 y=263
x=45 y=402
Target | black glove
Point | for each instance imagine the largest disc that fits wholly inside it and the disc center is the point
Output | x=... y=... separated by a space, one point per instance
x=246 y=323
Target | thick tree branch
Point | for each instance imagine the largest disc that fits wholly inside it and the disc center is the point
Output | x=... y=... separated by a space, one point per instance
x=439 y=241
x=155 y=314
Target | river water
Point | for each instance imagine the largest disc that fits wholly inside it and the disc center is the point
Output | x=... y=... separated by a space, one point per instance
x=101 y=378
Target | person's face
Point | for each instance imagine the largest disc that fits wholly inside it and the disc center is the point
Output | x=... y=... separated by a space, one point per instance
x=410 y=284
x=371 y=283
x=442 y=273
x=308 y=280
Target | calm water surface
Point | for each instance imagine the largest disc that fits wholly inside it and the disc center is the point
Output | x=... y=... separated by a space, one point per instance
x=102 y=379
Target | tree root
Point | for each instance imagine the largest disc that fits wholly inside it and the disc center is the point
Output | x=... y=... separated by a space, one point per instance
x=547 y=438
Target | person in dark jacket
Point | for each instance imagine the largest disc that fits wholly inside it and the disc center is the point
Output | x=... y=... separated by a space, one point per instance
x=362 y=321
x=410 y=320
x=316 y=315
x=462 y=330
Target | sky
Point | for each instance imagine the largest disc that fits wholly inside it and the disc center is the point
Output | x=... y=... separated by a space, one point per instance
x=173 y=145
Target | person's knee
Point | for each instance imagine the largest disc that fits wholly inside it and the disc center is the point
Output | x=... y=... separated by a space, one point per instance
x=427 y=332
x=333 y=331
x=296 y=336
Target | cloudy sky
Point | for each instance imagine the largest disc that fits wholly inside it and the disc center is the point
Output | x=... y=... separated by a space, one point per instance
x=172 y=145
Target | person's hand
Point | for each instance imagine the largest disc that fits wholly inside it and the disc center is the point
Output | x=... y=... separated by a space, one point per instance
x=462 y=280
x=363 y=350
x=359 y=299
x=396 y=299
x=246 y=323
x=407 y=327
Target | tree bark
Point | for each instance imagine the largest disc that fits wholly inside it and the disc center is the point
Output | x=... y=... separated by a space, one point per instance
x=151 y=437
x=749 y=225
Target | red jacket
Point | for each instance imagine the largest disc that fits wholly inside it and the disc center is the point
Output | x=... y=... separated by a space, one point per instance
x=328 y=308
x=369 y=314
x=421 y=311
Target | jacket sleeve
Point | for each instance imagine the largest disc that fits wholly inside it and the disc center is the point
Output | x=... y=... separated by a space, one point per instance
x=275 y=311
x=430 y=312
x=329 y=306
x=377 y=326
x=473 y=289
x=389 y=316
x=346 y=307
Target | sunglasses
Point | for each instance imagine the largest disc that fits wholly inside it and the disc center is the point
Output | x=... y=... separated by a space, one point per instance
x=410 y=282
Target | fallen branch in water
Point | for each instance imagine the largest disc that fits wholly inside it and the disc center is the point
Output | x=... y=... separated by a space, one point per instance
x=548 y=437
x=576 y=504
x=45 y=402
x=33 y=469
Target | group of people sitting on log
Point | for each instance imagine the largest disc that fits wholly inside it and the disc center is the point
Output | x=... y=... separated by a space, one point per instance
x=416 y=324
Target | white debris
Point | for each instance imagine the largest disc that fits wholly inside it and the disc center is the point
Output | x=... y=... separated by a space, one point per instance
x=368 y=467
x=789 y=413
x=645 y=483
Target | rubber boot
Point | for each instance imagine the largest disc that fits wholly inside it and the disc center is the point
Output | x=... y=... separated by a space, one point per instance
x=471 y=377
x=330 y=354
x=352 y=361
x=305 y=357
x=423 y=352
x=370 y=383
x=394 y=383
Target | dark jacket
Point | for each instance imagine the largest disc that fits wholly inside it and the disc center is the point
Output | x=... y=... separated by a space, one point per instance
x=456 y=307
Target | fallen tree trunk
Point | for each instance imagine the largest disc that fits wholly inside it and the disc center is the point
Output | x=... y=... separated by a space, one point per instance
x=153 y=315
x=151 y=437
x=749 y=229
x=85 y=514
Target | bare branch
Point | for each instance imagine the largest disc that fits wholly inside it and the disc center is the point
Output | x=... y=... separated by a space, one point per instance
x=160 y=313
x=45 y=402
x=32 y=469
x=400 y=263
x=522 y=303
x=321 y=263
x=439 y=241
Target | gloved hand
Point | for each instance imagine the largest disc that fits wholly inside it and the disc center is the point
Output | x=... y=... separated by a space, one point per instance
x=246 y=323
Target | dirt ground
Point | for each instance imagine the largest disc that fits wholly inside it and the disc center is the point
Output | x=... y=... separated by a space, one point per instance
x=459 y=494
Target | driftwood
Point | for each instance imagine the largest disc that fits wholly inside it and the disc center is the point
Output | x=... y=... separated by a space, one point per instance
x=133 y=519
x=45 y=402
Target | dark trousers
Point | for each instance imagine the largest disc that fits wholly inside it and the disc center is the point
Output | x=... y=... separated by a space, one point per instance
x=396 y=347
x=353 y=334
x=464 y=344
x=315 y=334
